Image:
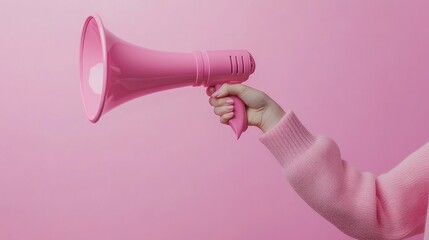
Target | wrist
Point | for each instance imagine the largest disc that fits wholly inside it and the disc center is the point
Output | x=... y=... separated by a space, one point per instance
x=272 y=115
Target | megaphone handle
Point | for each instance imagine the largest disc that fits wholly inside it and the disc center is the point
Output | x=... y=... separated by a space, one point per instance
x=238 y=122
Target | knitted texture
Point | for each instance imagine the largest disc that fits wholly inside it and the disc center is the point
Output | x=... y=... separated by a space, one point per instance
x=393 y=205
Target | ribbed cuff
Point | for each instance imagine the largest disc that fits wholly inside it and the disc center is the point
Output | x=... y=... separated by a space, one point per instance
x=288 y=139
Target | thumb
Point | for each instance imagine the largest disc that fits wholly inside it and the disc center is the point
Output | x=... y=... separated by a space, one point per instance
x=228 y=89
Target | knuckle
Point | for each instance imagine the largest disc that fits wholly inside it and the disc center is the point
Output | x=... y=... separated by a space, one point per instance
x=219 y=103
x=211 y=101
x=215 y=102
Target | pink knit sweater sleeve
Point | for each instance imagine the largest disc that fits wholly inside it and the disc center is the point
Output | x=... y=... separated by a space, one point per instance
x=390 y=206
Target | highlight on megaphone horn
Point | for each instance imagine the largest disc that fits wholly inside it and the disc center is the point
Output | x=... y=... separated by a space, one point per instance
x=113 y=71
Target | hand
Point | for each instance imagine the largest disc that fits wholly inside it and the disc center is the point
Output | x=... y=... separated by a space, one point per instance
x=262 y=111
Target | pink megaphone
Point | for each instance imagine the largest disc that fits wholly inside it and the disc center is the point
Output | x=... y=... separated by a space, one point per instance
x=113 y=71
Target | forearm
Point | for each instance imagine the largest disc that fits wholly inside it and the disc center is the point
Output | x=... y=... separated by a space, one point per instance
x=359 y=204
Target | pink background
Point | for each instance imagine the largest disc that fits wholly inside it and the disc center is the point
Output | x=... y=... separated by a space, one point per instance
x=162 y=167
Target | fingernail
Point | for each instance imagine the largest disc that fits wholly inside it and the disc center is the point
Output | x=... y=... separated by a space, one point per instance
x=230 y=101
x=230 y=107
x=215 y=94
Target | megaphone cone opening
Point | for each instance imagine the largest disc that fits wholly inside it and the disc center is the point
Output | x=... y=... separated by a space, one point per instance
x=93 y=67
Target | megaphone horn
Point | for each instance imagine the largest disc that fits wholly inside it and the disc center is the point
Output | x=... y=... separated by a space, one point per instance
x=113 y=71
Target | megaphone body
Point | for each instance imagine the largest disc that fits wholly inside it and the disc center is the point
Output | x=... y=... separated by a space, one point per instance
x=113 y=71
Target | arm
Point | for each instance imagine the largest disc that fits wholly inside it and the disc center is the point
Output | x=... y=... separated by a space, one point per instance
x=391 y=206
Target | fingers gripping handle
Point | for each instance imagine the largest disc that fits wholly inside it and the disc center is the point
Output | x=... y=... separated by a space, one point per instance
x=238 y=122
x=233 y=67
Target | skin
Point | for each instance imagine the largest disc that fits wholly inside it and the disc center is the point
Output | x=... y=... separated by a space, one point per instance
x=262 y=111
